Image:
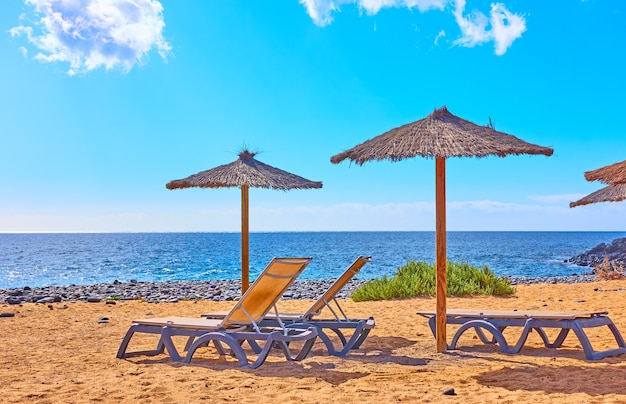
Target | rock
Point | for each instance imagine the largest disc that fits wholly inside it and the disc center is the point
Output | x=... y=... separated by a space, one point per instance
x=110 y=302
x=93 y=299
x=13 y=300
x=46 y=300
x=615 y=251
x=7 y=314
x=449 y=392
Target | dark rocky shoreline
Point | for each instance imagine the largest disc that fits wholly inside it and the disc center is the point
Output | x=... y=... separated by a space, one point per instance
x=171 y=292
x=614 y=251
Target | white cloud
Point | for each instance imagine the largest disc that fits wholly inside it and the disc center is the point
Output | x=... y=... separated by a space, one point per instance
x=461 y=215
x=89 y=34
x=440 y=35
x=565 y=198
x=506 y=26
x=321 y=11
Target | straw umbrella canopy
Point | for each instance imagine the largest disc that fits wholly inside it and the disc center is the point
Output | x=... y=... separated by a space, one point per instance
x=440 y=135
x=611 y=193
x=612 y=174
x=246 y=172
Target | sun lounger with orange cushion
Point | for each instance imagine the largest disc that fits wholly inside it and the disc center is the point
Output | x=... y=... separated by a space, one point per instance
x=360 y=328
x=241 y=324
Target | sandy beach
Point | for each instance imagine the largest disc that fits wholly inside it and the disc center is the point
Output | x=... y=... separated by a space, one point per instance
x=60 y=353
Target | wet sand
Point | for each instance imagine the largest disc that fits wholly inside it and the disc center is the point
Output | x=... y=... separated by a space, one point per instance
x=63 y=355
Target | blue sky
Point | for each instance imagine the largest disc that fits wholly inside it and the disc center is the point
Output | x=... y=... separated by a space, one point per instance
x=105 y=101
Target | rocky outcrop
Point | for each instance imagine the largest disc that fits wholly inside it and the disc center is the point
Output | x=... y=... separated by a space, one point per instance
x=615 y=251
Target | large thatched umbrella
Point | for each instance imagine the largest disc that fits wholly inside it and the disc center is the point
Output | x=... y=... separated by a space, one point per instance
x=244 y=173
x=440 y=135
x=615 y=176
x=611 y=193
x=612 y=174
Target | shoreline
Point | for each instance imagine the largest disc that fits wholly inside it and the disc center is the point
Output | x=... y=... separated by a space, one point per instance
x=213 y=290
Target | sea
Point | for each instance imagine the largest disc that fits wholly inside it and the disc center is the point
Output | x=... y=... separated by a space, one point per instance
x=45 y=259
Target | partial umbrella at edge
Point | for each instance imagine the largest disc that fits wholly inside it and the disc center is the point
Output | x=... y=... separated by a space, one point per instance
x=611 y=193
x=245 y=172
x=439 y=135
x=611 y=174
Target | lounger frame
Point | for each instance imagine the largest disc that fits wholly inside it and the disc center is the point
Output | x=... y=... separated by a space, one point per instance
x=350 y=331
x=241 y=324
x=496 y=321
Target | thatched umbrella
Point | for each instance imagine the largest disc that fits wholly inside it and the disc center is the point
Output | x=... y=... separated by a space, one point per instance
x=244 y=173
x=611 y=193
x=440 y=135
x=613 y=174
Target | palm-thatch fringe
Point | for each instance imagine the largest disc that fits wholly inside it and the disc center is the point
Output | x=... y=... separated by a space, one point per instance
x=245 y=171
x=613 y=174
x=440 y=134
x=611 y=193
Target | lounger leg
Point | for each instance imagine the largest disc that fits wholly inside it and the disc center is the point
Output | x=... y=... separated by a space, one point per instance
x=266 y=350
x=498 y=336
x=232 y=343
x=166 y=338
x=325 y=339
x=121 y=352
x=347 y=346
x=432 y=323
x=362 y=338
x=558 y=342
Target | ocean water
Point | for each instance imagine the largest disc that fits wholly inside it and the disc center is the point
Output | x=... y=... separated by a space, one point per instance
x=64 y=259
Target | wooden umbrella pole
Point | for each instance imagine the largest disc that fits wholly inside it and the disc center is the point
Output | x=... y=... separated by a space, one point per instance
x=245 y=242
x=440 y=201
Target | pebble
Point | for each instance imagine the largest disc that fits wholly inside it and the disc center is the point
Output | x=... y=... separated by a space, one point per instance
x=7 y=314
x=449 y=392
x=216 y=290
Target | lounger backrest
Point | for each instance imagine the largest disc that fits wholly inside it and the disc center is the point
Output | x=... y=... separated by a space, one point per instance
x=339 y=283
x=257 y=301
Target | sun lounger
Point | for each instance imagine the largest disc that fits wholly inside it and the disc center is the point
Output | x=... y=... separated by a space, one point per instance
x=241 y=324
x=358 y=328
x=495 y=321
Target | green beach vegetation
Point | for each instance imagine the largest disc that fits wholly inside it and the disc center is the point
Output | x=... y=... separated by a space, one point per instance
x=418 y=279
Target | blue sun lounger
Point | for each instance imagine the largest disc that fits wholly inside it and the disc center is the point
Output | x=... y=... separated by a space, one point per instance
x=241 y=324
x=496 y=321
x=351 y=332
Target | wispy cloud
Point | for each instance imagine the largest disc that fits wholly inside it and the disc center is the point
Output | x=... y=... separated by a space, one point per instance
x=440 y=35
x=502 y=27
x=564 y=198
x=89 y=34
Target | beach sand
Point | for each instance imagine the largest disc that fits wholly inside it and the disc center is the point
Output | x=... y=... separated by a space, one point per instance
x=63 y=355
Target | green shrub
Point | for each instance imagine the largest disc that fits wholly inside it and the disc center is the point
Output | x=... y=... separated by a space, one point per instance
x=418 y=279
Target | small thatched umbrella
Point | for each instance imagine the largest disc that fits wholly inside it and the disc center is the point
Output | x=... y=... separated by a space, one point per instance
x=611 y=193
x=613 y=174
x=440 y=135
x=244 y=173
